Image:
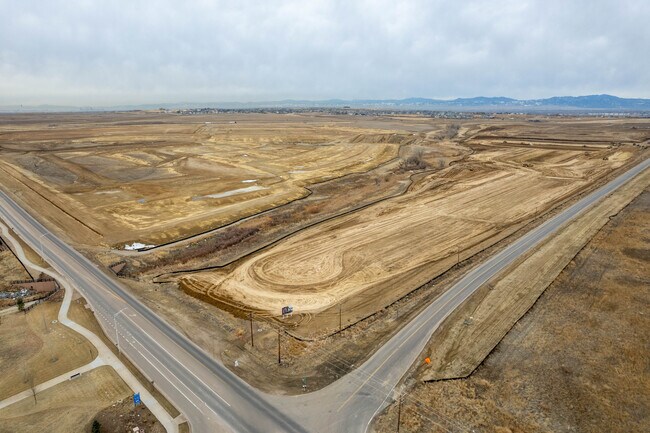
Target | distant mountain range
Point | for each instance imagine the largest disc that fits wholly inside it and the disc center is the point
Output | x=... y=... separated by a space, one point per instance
x=481 y=103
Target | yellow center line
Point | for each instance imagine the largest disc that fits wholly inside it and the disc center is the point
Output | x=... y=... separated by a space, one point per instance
x=371 y=376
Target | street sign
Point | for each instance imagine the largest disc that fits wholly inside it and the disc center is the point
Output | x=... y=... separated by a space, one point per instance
x=136 y=399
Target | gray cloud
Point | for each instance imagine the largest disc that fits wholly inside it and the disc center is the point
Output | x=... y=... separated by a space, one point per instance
x=82 y=52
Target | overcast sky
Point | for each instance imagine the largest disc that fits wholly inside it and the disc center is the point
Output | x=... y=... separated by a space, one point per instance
x=131 y=52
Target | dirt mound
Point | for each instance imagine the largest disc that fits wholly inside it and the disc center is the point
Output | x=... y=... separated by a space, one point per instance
x=393 y=138
x=123 y=417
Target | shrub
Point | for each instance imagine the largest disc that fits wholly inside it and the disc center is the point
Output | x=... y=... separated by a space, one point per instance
x=414 y=162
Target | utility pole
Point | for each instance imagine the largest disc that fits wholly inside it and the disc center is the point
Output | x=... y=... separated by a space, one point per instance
x=340 y=320
x=279 y=358
x=399 y=412
x=250 y=315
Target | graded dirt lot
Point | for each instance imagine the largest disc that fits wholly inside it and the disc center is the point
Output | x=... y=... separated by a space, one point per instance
x=576 y=362
x=366 y=258
x=470 y=333
x=150 y=179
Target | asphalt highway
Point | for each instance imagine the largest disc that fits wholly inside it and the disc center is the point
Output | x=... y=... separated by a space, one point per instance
x=211 y=396
x=354 y=400
x=206 y=392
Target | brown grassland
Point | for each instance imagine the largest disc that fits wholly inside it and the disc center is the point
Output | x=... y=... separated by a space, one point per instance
x=576 y=362
x=34 y=349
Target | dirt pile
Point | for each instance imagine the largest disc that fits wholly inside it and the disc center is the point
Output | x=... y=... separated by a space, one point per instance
x=123 y=417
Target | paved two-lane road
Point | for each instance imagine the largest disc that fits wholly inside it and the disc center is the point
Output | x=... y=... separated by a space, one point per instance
x=211 y=396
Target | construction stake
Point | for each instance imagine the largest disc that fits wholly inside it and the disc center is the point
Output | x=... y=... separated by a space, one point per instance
x=251 y=317
x=399 y=412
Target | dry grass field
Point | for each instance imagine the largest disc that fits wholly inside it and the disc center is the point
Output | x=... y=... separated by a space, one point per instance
x=10 y=270
x=576 y=362
x=34 y=349
x=69 y=406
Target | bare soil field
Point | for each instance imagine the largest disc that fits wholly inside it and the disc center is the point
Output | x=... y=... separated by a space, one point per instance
x=576 y=362
x=128 y=179
x=36 y=348
x=327 y=200
x=366 y=259
x=471 y=332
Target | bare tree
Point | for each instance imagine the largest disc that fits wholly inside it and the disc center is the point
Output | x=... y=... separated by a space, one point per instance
x=414 y=162
x=452 y=131
x=29 y=378
x=47 y=331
